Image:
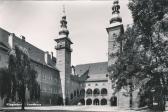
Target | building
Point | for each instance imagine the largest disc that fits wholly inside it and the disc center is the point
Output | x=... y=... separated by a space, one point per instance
x=44 y=63
x=85 y=84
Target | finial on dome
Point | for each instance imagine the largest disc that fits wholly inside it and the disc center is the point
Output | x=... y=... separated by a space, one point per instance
x=115 y=12
x=64 y=30
x=63 y=9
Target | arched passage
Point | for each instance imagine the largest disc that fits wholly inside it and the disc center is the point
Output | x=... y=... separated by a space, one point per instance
x=96 y=91
x=89 y=92
x=96 y=102
x=88 y=101
x=104 y=91
x=104 y=102
x=82 y=101
x=113 y=101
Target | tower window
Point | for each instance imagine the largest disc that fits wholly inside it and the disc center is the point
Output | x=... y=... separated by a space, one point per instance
x=114 y=35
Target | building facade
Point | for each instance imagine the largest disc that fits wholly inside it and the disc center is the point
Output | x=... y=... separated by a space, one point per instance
x=44 y=63
x=85 y=84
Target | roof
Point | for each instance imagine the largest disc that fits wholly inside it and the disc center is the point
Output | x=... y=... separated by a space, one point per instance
x=96 y=71
x=36 y=54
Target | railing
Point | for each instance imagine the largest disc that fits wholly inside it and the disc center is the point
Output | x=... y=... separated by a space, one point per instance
x=95 y=95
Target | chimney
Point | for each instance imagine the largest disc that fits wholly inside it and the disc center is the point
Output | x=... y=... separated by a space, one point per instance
x=23 y=38
x=52 y=55
x=10 y=40
x=46 y=56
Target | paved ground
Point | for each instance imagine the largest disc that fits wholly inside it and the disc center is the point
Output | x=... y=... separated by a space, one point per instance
x=73 y=109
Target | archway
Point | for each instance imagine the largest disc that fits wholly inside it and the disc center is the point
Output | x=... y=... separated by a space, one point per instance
x=113 y=101
x=96 y=102
x=88 y=101
x=104 y=91
x=89 y=92
x=96 y=91
x=82 y=101
x=104 y=102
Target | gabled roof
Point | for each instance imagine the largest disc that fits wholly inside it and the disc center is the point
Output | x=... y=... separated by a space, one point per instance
x=96 y=71
x=36 y=54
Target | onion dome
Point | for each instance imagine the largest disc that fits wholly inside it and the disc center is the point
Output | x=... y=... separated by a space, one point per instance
x=64 y=30
x=115 y=12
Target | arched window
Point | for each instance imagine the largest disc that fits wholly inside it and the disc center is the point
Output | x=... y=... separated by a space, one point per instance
x=82 y=92
x=89 y=92
x=96 y=91
x=71 y=96
x=74 y=93
x=77 y=93
x=104 y=91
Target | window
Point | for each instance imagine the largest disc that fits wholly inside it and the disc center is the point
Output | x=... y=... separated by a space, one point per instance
x=96 y=84
x=0 y=57
x=88 y=84
x=43 y=77
x=106 y=75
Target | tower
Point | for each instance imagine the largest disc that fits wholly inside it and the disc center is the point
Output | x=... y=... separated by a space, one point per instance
x=63 y=50
x=114 y=30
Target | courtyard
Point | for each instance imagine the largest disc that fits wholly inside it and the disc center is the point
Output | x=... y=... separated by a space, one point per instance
x=74 y=109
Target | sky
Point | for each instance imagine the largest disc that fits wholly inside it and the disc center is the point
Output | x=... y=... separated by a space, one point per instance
x=39 y=22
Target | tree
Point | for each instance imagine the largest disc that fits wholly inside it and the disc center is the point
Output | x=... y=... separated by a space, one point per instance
x=25 y=76
x=143 y=61
x=19 y=76
x=5 y=83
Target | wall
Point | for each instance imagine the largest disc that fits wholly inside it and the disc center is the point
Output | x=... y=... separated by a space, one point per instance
x=50 y=84
x=99 y=85
x=3 y=59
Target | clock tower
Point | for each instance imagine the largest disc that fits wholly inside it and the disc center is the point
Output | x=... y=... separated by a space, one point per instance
x=63 y=51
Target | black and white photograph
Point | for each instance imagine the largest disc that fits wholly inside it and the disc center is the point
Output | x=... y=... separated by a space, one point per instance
x=83 y=55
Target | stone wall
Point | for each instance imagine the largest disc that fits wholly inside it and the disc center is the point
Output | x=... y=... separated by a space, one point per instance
x=50 y=85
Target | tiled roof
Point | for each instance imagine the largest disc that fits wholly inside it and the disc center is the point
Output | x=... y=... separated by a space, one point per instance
x=97 y=71
x=35 y=53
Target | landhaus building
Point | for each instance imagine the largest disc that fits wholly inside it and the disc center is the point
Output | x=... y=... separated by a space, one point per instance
x=85 y=84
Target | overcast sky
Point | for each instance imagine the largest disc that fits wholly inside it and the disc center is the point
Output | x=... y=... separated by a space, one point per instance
x=39 y=22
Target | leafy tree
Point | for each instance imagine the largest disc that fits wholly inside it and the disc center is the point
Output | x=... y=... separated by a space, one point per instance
x=5 y=83
x=143 y=61
x=19 y=76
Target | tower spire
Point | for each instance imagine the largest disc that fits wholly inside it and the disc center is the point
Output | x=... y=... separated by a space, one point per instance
x=64 y=31
x=115 y=12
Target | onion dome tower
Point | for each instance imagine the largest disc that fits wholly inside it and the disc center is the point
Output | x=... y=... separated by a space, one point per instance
x=114 y=30
x=63 y=51
x=115 y=12
x=64 y=31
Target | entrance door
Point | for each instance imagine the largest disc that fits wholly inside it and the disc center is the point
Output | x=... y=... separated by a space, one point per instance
x=114 y=101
